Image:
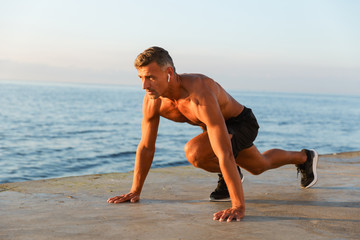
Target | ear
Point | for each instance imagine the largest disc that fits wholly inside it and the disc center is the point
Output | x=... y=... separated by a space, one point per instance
x=170 y=70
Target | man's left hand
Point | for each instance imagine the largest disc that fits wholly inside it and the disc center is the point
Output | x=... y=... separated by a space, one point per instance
x=230 y=214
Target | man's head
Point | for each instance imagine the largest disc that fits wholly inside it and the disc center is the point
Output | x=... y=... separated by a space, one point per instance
x=154 y=54
x=155 y=69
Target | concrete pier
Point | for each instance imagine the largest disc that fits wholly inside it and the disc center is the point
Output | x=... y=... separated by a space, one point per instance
x=174 y=205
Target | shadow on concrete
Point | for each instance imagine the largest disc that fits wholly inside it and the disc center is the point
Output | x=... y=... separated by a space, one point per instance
x=306 y=203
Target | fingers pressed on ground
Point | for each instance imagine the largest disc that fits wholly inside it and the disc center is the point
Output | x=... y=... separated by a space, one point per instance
x=230 y=218
x=217 y=215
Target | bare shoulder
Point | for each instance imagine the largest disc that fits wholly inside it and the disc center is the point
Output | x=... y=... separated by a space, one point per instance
x=199 y=85
x=151 y=107
x=196 y=79
x=205 y=91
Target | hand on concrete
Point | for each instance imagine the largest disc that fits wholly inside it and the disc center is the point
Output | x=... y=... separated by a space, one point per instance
x=230 y=214
x=130 y=197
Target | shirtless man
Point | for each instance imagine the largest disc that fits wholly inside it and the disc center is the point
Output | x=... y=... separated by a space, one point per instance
x=227 y=140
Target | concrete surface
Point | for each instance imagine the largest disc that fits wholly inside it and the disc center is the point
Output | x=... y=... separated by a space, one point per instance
x=175 y=205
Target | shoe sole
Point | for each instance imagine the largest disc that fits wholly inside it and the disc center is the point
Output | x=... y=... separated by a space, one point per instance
x=220 y=200
x=225 y=199
x=314 y=166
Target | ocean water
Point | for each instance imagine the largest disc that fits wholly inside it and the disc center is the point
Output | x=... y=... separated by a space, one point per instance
x=58 y=130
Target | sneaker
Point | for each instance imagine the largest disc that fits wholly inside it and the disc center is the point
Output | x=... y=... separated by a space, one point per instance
x=308 y=169
x=221 y=193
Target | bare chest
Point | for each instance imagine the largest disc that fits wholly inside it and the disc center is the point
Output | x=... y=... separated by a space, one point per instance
x=180 y=111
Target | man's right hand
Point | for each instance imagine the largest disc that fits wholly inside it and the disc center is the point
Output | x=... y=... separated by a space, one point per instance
x=130 y=197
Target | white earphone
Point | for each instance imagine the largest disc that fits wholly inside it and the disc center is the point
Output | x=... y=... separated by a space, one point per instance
x=168 y=77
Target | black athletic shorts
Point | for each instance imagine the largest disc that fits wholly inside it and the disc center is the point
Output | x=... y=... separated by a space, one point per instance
x=244 y=129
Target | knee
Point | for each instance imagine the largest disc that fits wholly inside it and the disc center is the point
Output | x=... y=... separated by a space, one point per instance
x=192 y=156
x=189 y=153
x=259 y=169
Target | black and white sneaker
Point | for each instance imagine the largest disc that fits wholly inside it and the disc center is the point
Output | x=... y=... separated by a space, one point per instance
x=308 y=169
x=221 y=193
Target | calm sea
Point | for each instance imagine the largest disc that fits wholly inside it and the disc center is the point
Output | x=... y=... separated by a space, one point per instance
x=53 y=130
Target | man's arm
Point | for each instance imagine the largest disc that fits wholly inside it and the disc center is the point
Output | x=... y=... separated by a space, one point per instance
x=209 y=112
x=145 y=150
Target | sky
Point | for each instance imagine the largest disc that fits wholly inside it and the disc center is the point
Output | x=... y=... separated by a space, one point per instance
x=273 y=46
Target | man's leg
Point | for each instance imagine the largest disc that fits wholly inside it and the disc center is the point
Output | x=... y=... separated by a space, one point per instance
x=199 y=153
x=256 y=163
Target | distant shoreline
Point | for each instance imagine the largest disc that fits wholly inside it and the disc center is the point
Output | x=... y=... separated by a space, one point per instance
x=342 y=154
x=138 y=87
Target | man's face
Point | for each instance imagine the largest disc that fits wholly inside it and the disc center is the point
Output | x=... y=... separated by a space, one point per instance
x=154 y=80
